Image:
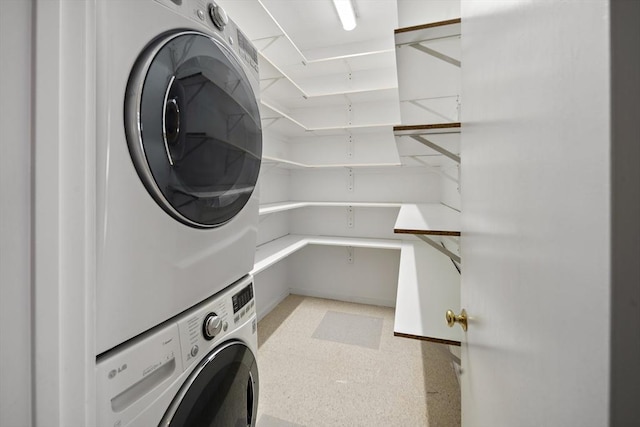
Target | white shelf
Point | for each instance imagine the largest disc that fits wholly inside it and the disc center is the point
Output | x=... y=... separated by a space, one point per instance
x=426 y=129
x=279 y=112
x=428 y=285
x=284 y=206
x=430 y=219
x=276 y=250
x=426 y=32
x=294 y=165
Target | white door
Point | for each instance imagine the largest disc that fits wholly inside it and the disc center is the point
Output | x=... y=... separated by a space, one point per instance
x=535 y=203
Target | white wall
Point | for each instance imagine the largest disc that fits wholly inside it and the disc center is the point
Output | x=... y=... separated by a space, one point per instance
x=15 y=213
x=368 y=276
x=274 y=187
x=271 y=286
x=417 y=12
x=392 y=184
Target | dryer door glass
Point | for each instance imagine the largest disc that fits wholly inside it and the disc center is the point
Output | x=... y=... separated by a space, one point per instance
x=221 y=392
x=193 y=128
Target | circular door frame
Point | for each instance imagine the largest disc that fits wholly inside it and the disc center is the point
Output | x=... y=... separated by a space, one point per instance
x=132 y=113
x=170 y=413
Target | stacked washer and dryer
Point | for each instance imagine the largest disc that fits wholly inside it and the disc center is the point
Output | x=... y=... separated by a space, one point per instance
x=179 y=151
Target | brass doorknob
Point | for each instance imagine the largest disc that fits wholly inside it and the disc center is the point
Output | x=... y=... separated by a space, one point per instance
x=461 y=319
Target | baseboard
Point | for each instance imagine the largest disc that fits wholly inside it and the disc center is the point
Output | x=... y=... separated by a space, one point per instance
x=264 y=309
x=341 y=297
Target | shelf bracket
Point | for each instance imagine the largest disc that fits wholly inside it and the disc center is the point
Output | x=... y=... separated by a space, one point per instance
x=432 y=111
x=350 y=252
x=436 y=147
x=350 y=217
x=436 y=54
x=439 y=247
x=272 y=40
x=350 y=147
x=271 y=120
x=350 y=180
x=272 y=81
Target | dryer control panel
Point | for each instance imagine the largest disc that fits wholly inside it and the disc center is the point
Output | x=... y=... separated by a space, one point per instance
x=215 y=19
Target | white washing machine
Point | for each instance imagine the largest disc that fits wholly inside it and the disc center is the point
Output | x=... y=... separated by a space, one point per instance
x=198 y=369
x=178 y=150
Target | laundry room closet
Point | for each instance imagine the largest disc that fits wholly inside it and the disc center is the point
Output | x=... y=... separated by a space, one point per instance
x=336 y=167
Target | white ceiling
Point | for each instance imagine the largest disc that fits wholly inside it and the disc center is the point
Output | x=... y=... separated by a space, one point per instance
x=313 y=25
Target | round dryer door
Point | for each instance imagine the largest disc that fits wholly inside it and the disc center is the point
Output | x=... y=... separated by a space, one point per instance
x=221 y=392
x=193 y=128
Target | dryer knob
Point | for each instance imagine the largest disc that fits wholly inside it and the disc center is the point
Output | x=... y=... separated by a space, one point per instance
x=212 y=326
x=218 y=16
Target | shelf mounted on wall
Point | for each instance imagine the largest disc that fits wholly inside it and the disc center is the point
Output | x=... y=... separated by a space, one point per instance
x=429 y=219
x=419 y=132
x=417 y=35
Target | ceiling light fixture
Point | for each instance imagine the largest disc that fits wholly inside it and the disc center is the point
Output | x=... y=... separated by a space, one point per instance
x=346 y=13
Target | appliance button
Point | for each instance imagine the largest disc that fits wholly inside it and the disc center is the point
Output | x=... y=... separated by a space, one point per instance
x=218 y=16
x=194 y=351
x=225 y=326
x=211 y=326
x=200 y=14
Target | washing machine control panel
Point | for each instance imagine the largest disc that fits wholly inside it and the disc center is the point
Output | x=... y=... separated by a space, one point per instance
x=208 y=324
x=129 y=377
x=218 y=16
x=212 y=326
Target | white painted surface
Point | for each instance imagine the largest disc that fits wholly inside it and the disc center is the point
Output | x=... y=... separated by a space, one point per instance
x=417 y=185
x=418 y=12
x=374 y=147
x=428 y=286
x=450 y=181
x=415 y=153
x=284 y=206
x=271 y=287
x=278 y=272
x=274 y=188
x=64 y=214
x=16 y=213
x=325 y=272
x=428 y=86
x=429 y=218
x=374 y=223
x=277 y=250
x=287 y=163
x=535 y=212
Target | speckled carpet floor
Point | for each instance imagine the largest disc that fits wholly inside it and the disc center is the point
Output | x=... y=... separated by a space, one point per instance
x=333 y=363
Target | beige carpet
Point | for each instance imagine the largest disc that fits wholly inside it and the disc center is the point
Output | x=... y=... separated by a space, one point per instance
x=333 y=363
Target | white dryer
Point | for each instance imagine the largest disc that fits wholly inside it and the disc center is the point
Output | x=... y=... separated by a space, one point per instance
x=178 y=150
x=198 y=369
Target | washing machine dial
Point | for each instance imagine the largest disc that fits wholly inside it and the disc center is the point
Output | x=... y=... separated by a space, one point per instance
x=212 y=326
x=218 y=16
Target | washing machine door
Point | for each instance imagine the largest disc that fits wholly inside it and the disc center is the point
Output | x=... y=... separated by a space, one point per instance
x=193 y=128
x=221 y=392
